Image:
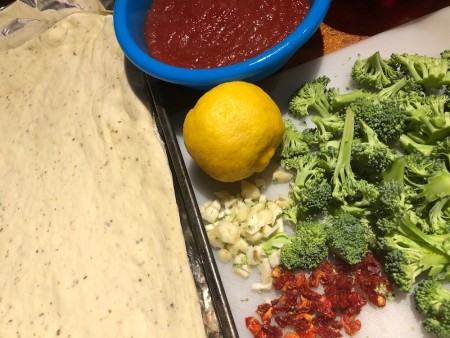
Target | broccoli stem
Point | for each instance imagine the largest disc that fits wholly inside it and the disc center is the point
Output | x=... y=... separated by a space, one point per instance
x=346 y=99
x=437 y=243
x=396 y=172
x=411 y=145
x=343 y=170
x=393 y=89
x=437 y=186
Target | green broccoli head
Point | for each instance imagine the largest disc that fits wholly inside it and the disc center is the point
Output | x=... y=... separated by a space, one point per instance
x=433 y=300
x=442 y=151
x=311 y=96
x=374 y=71
x=328 y=127
x=411 y=252
x=439 y=216
x=305 y=167
x=312 y=199
x=293 y=143
x=386 y=118
x=307 y=249
x=436 y=327
x=371 y=157
x=426 y=70
x=353 y=193
x=435 y=125
x=406 y=259
x=347 y=237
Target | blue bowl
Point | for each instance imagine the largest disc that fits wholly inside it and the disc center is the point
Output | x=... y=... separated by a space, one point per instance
x=129 y=18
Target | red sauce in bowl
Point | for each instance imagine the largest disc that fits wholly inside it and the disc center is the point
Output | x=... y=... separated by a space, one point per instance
x=212 y=33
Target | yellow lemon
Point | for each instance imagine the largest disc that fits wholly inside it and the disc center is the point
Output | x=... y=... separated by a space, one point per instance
x=233 y=131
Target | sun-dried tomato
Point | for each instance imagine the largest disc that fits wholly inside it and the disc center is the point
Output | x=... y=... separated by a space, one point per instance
x=368 y=277
x=263 y=308
x=302 y=325
x=253 y=325
x=264 y=330
x=356 y=302
x=310 y=313
x=304 y=305
x=291 y=335
x=321 y=273
x=351 y=324
x=324 y=308
x=290 y=297
x=328 y=328
x=310 y=294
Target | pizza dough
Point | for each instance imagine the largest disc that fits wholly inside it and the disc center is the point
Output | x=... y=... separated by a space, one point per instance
x=90 y=238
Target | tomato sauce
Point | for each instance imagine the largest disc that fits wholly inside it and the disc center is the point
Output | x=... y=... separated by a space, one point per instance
x=212 y=33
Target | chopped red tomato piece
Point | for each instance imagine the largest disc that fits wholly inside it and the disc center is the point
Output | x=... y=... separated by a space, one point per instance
x=305 y=312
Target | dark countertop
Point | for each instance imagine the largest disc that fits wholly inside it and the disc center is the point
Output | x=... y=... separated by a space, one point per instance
x=350 y=21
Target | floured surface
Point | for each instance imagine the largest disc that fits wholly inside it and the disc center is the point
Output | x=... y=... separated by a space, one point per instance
x=90 y=238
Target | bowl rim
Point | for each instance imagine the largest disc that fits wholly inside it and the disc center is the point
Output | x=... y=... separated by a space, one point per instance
x=243 y=69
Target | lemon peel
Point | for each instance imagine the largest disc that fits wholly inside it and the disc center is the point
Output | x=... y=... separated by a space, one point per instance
x=233 y=131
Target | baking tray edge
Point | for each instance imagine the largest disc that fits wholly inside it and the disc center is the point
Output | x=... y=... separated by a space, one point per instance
x=196 y=238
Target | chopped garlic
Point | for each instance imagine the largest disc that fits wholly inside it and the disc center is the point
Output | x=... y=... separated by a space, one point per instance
x=280 y=176
x=274 y=258
x=225 y=256
x=228 y=231
x=249 y=190
x=238 y=225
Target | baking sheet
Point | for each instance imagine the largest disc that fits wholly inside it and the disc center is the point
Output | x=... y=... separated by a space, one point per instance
x=427 y=35
x=22 y=20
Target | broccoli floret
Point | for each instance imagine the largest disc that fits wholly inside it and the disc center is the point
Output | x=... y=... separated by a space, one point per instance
x=428 y=177
x=411 y=252
x=433 y=301
x=415 y=106
x=417 y=168
x=311 y=96
x=290 y=213
x=437 y=186
x=393 y=198
x=329 y=152
x=338 y=100
x=307 y=248
x=395 y=201
x=310 y=190
x=293 y=143
x=442 y=151
x=428 y=71
x=348 y=237
x=435 y=126
x=347 y=188
x=275 y=242
x=386 y=118
x=436 y=327
x=371 y=157
x=439 y=243
x=374 y=71
x=328 y=127
x=313 y=198
x=439 y=216
x=407 y=259
x=445 y=54
x=305 y=167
